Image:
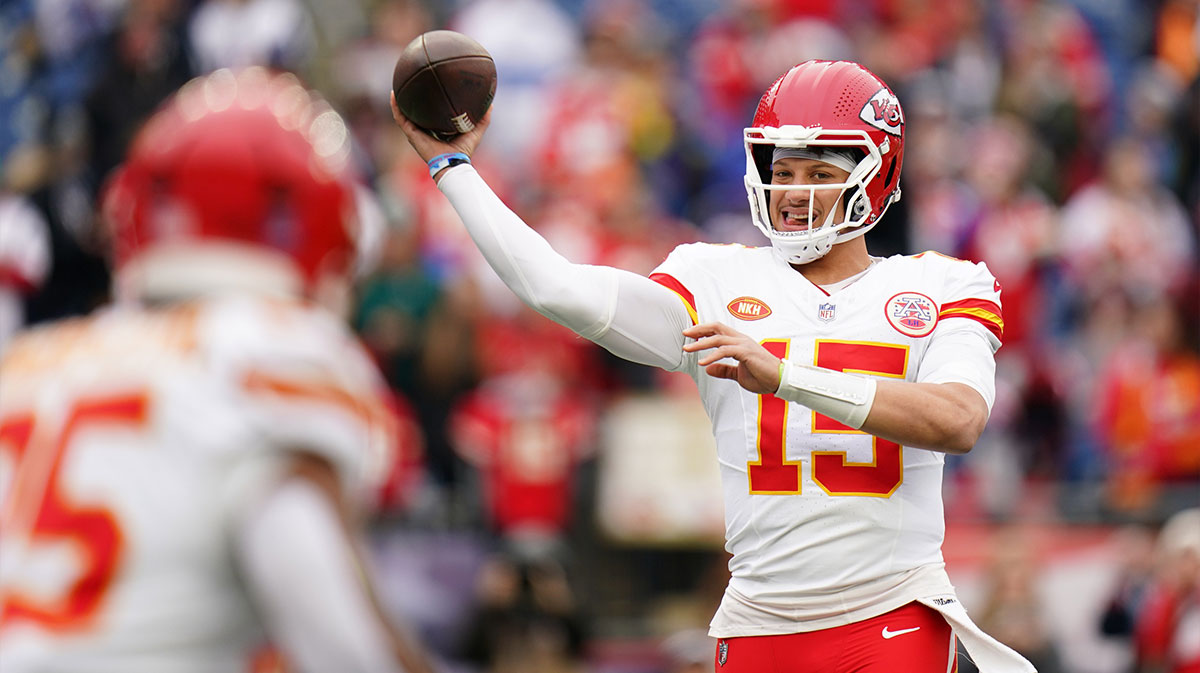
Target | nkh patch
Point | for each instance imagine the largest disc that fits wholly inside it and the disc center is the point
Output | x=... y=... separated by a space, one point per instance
x=911 y=314
x=722 y=652
x=826 y=312
x=749 y=308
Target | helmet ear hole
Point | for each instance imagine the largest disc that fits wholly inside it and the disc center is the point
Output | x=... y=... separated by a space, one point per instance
x=857 y=204
x=860 y=208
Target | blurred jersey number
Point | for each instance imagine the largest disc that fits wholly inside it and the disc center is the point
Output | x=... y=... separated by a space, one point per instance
x=36 y=510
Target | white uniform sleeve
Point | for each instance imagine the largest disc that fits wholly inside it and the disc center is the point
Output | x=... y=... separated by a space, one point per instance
x=963 y=355
x=630 y=315
x=300 y=568
x=969 y=330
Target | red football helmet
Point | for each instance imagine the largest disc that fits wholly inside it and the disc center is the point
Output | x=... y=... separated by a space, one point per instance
x=242 y=180
x=819 y=106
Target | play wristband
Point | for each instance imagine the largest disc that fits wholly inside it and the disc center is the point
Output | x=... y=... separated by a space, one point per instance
x=446 y=161
x=846 y=398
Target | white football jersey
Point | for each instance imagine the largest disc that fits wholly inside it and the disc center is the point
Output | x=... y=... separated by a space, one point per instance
x=813 y=508
x=130 y=441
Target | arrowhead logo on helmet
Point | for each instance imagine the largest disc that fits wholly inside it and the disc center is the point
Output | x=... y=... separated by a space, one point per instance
x=883 y=112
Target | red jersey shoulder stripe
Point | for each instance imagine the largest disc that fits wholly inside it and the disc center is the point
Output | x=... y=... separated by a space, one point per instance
x=671 y=283
x=986 y=313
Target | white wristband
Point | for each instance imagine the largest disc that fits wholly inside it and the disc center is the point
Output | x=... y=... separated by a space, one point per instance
x=846 y=398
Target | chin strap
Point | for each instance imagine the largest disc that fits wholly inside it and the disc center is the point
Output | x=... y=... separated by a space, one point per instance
x=846 y=398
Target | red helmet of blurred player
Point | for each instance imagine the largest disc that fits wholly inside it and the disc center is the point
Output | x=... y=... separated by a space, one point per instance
x=241 y=181
x=835 y=111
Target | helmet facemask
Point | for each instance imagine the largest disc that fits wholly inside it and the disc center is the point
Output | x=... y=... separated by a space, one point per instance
x=804 y=246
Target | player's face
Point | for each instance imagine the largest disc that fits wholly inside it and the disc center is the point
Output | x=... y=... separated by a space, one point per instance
x=793 y=209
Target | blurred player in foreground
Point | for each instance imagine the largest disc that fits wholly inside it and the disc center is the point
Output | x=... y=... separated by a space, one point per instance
x=183 y=473
x=835 y=381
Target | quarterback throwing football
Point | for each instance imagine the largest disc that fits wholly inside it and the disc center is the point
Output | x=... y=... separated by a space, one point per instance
x=835 y=381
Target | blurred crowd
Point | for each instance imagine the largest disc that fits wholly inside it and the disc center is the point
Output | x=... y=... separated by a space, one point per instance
x=1055 y=140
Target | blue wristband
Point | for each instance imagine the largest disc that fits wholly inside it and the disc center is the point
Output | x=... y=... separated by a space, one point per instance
x=446 y=161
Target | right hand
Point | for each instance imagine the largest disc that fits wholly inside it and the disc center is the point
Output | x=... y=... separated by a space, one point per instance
x=429 y=147
x=757 y=370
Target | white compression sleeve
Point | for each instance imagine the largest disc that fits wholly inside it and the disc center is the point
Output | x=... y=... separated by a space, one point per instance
x=300 y=568
x=630 y=315
x=846 y=398
x=964 y=356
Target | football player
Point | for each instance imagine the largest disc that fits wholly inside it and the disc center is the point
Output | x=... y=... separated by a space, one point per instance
x=181 y=474
x=835 y=381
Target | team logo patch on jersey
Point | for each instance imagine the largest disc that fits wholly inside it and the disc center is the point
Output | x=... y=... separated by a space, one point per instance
x=722 y=652
x=749 y=308
x=912 y=314
x=826 y=312
x=883 y=112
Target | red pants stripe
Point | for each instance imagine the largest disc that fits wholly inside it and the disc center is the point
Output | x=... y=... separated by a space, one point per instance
x=910 y=639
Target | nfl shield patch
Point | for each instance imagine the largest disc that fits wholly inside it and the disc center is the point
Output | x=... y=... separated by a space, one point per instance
x=826 y=312
x=722 y=652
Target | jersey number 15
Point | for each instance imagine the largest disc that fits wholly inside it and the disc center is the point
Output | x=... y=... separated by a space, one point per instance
x=774 y=474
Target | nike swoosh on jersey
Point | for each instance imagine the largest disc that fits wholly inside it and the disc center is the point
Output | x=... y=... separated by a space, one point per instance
x=887 y=635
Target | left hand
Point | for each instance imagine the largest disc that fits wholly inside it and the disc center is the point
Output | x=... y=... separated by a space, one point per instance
x=756 y=370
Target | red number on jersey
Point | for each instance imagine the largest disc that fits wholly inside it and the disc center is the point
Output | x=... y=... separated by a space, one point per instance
x=884 y=474
x=773 y=474
x=37 y=510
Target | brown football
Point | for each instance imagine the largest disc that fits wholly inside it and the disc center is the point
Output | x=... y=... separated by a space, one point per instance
x=444 y=82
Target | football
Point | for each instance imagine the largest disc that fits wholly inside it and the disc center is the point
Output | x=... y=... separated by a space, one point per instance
x=444 y=82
